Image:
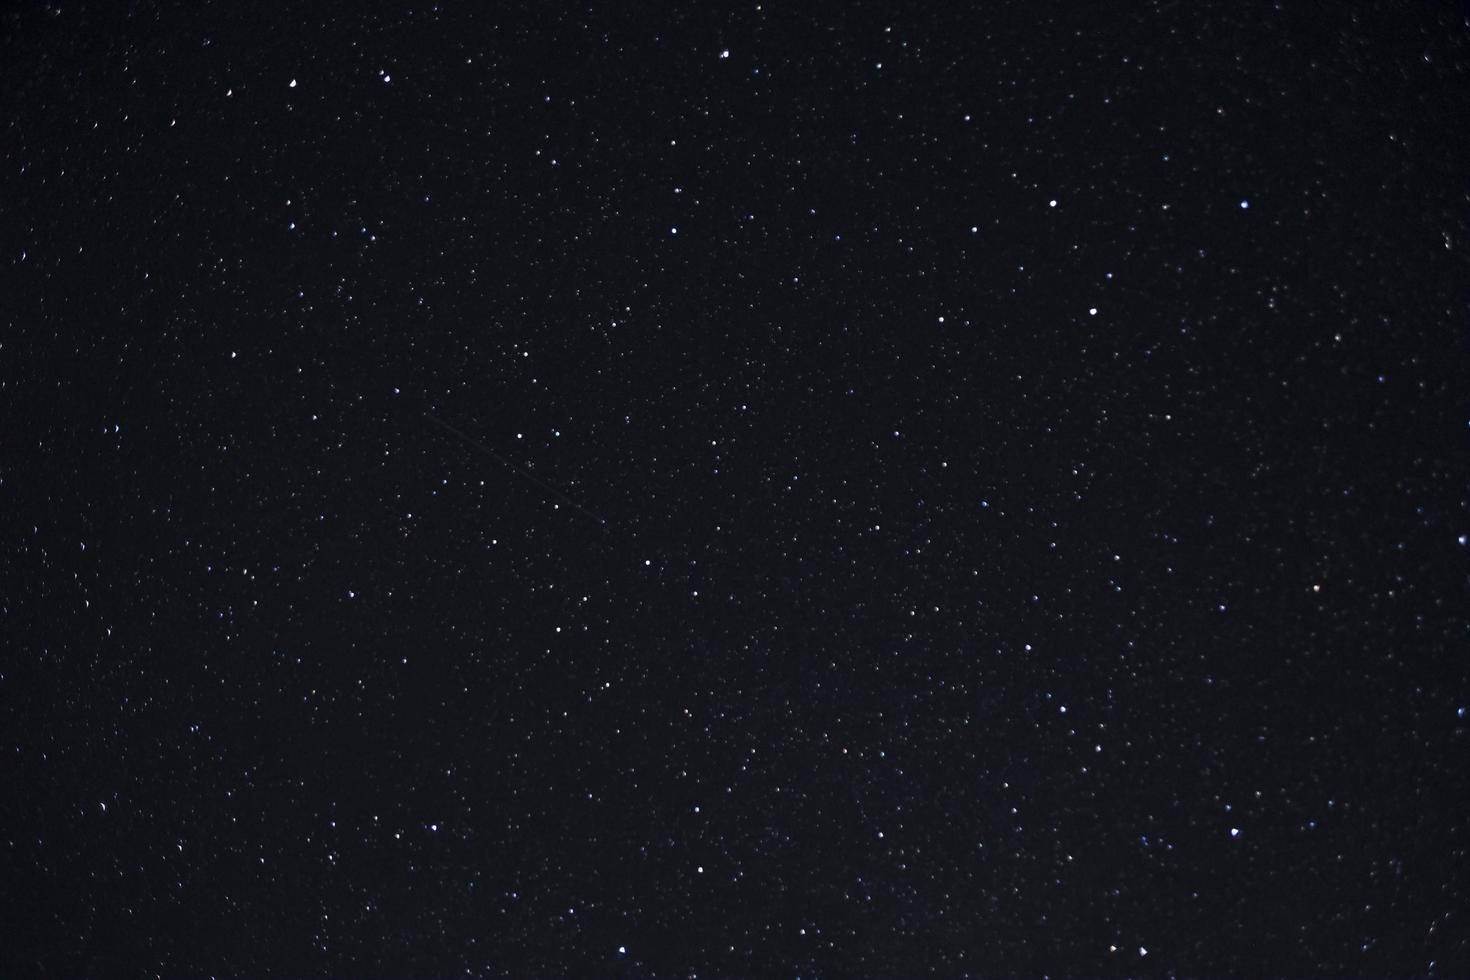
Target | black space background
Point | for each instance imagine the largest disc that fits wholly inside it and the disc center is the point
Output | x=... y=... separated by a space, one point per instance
x=918 y=620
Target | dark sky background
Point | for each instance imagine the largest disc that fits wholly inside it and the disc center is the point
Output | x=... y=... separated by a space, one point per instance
x=632 y=492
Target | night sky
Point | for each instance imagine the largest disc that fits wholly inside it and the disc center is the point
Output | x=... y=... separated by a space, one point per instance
x=762 y=491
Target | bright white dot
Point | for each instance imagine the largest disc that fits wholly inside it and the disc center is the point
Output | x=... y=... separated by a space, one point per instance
x=974 y=229
x=1244 y=205
x=387 y=79
x=1460 y=713
x=1142 y=951
x=673 y=231
x=434 y=827
x=1234 y=831
x=1064 y=709
x=293 y=83
x=351 y=594
x=1092 y=311
x=1051 y=204
x=622 y=951
x=700 y=869
x=724 y=54
x=1462 y=539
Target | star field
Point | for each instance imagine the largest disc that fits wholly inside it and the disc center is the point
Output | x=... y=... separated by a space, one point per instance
x=734 y=492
